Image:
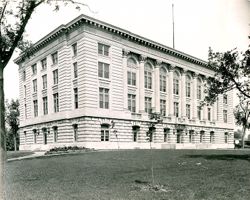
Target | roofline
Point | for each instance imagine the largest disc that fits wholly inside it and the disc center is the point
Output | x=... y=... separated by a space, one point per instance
x=111 y=28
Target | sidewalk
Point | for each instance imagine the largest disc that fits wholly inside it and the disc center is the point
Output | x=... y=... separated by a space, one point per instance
x=34 y=155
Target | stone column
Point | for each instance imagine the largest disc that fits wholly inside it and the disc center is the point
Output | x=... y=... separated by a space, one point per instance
x=141 y=85
x=157 y=86
x=170 y=93
x=125 y=79
x=194 y=98
x=183 y=94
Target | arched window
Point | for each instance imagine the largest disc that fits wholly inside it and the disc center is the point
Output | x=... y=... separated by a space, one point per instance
x=211 y=137
x=55 y=131
x=163 y=75
x=104 y=132
x=176 y=83
x=202 y=134
x=148 y=76
x=199 y=88
x=131 y=73
x=45 y=132
x=188 y=86
x=35 y=134
x=135 y=130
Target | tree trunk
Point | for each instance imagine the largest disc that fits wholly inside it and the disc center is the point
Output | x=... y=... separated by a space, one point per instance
x=243 y=137
x=14 y=139
x=2 y=134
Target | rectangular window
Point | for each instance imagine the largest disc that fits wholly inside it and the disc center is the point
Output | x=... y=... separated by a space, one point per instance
x=104 y=98
x=56 y=102
x=162 y=83
x=24 y=75
x=103 y=49
x=103 y=70
x=35 y=104
x=45 y=105
x=163 y=107
x=55 y=77
x=44 y=77
x=132 y=102
x=104 y=132
x=225 y=116
x=74 y=49
x=209 y=114
x=44 y=63
x=54 y=57
x=75 y=127
x=34 y=133
x=75 y=70
x=166 y=134
x=55 y=129
x=148 y=79
x=34 y=85
x=199 y=112
x=188 y=111
x=131 y=78
x=76 y=97
x=176 y=86
x=176 y=109
x=25 y=110
x=188 y=89
x=34 y=69
x=226 y=137
x=148 y=105
x=225 y=99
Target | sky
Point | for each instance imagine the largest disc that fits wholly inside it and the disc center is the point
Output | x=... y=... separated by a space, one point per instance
x=199 y=24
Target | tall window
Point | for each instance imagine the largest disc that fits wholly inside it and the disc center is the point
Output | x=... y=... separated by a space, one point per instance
x=202 y=134
x=103 y=70
x=45 y=135
x=24 y=75
x=76 y=97
x=55 y=77
x=163 y=76
x=34 y=134
x=44 y=63
x=191 y=136
x=75 y=130
x=225 y=116
x=104 y=132
x=44 y=77
x=225 y=99
x=211 y=137
x=131 y=78
x=55 y=130
x=131 y=74
x=74 y=49
x=34 y=69
x=176 y=83
x=135 y=130
x=176 y=109
x=148 y=104
x=166 y=134
x=35 y=104
x=75 y=69
x=188 y=111
x=56 y=102
x=226 y=137
x=45 y=105
x=163 y=107
x=209 y=114
x=188 y=86
x=34 y=85
x=148 y=76
x=199 y=112
x=103 y=49
x=104 y=98
x=132 y=102
x=54 y=57
x=198 y=89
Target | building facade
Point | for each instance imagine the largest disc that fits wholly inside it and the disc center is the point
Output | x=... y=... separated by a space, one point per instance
x=91 y=84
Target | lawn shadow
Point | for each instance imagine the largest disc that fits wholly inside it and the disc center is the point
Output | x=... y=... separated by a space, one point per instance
x=228 y=157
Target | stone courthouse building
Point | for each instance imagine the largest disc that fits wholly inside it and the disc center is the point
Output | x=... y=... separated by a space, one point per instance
x=92 y=84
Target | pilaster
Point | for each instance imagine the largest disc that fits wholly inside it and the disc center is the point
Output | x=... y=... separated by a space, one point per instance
x=183 y=94
x=157 y=86
x=141 y=84
x=194 y=98
x=170 y=93
x=125 y=78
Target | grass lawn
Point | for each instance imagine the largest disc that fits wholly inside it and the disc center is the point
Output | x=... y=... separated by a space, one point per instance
x=16 y=154
x=185 y=174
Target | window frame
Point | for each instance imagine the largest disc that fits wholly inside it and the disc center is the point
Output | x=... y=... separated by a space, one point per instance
x=132 y=103
x=104 y=96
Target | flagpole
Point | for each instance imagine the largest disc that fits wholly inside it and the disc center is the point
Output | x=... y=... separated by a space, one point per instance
x=173 y=23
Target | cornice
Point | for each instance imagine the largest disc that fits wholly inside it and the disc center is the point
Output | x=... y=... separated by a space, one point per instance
x=83 y=19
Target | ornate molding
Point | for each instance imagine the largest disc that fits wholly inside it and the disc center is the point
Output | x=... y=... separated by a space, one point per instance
x=125 y=53
x=142 y=58
x=158 y=63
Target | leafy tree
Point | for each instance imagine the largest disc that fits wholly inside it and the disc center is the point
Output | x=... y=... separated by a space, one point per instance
x=238 y=134
x=232 y=72
x=242 y=115
x=12 y=119
x=14 y=16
